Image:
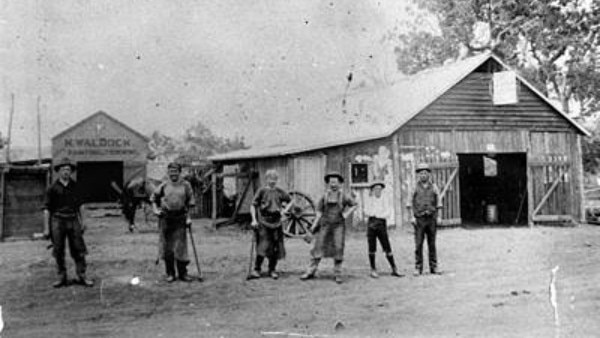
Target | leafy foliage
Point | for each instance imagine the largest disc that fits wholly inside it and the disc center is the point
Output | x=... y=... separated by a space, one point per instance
x=553 y=43
x=590 y=148
x=197 y=143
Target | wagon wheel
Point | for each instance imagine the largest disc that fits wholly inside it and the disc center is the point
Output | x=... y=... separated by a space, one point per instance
x=300 y=216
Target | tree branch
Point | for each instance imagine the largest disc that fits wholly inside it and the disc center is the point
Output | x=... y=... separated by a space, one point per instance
x=558 y=54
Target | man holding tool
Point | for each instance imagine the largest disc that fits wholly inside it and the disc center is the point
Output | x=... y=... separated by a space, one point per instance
x=267 y=210
x=171 y=202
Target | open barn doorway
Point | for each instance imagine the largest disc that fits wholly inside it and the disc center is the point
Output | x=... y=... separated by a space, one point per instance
x=96 y=179
x=493 y=188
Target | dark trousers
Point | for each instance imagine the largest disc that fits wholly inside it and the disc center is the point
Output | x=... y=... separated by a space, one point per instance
x=68 y=229
x=174 y=244
x=270 y=245
x=426 y=226
x=377 y=229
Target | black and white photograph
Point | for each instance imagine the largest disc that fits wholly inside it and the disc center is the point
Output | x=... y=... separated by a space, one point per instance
x=302 y=168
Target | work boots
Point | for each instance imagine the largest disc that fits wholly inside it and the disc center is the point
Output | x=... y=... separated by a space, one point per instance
x=390 y=259
x=82 y=280
x=182 y=269
x=61 y=281
x=373 y=273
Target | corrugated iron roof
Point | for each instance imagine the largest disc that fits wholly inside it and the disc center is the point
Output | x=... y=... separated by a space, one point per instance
x=372 y=113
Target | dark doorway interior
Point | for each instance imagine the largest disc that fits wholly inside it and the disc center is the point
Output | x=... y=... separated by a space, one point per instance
x=493 y=188
x=95 y=179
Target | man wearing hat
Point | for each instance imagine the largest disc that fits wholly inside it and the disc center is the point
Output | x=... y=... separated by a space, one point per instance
x=171 y=202
x=378 y=210
x=329 y=227
x=424 y=205
x=63 y=211
x=266 y=212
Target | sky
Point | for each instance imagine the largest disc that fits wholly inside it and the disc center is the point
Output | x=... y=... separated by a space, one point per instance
x=243 y=68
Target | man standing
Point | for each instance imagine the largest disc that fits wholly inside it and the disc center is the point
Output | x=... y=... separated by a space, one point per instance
x=378 y=210
x=63 y=212
x=266 y=211
x=329 y=227
x=171 y=202
x=424 y=205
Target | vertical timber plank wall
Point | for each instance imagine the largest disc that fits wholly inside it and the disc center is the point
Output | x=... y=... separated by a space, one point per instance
x=279 y=164
x=557 y=146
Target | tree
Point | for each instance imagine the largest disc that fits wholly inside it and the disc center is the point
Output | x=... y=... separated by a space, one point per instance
x=162 y=145
x=199 y=142
x=552 y=43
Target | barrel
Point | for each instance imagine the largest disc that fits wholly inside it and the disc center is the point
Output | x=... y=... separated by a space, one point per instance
x=492 y=213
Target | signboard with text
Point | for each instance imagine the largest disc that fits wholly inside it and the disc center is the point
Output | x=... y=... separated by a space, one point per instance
x=100 y=138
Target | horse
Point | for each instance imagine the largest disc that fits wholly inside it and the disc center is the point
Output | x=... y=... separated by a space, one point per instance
x=136 y=192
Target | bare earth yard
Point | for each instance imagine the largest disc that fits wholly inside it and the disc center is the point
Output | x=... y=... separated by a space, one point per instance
x=495 y=283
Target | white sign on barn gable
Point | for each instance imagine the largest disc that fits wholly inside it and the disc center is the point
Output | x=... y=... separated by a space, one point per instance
x=505 y=90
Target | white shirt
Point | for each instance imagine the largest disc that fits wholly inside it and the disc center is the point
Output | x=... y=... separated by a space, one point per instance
x=377 y=207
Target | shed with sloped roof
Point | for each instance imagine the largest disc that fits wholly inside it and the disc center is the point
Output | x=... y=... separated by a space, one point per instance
x=500 y=151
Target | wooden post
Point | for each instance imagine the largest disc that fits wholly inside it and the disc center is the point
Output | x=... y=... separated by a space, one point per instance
x=578 y=172
x=397 y=193
x=2 y=191
x=213 y=178
x=39 y=132
x=530 y=202
x=10 y=120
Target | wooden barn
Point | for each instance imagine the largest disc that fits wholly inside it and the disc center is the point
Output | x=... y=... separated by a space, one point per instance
x=500 y=151
x=107 y=152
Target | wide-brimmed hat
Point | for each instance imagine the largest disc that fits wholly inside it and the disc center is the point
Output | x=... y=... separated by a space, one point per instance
x=174 y=165
x=65 y=161
x=333 y=174
x=376 y=183
x=423 y=166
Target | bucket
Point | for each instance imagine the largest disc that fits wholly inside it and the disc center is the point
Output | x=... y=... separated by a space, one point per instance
x=492 y=213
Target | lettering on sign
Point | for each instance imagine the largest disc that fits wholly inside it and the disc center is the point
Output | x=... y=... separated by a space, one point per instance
x=100 y=152
x=97 y=143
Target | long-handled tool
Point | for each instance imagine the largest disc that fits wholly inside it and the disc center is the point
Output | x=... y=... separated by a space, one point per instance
x=189 y=226
x=252 y=249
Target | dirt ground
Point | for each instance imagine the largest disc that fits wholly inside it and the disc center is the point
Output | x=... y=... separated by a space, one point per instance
x=495 y=283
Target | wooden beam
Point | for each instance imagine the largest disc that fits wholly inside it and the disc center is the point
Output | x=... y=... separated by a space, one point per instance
x=213 y=181
x=450 y=179
x=578 y=173
x=236 y=174
x=2 y=192
x=397 y=192
x=530 y=201
x=451 y=221
x=545 y=198
x=553 y=218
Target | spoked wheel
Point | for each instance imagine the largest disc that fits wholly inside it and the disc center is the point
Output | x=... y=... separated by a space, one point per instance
x=300 y=216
